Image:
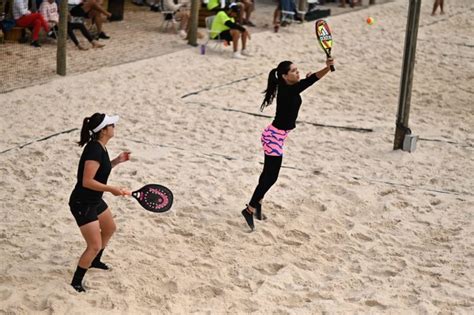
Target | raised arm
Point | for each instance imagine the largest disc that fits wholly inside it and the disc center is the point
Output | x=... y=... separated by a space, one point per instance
x=321 y=73
x=311 y=78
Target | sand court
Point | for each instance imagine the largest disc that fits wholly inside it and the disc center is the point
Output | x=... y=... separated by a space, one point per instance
x=354 y=227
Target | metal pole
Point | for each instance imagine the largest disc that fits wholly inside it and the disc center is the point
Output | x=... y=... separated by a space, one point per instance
x=192 y=35
x=62 y=38
x=407 y=74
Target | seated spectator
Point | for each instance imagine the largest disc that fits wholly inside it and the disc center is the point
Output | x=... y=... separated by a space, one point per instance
x=216 y=5
x=91 y=9
x=49 y=11
x=24 y=18
x=80 y=26
x=225 y=28
x=284 y=5
x=247 y=7
x=181 y=14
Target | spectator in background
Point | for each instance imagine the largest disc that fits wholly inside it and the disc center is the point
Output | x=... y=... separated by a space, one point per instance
x=91 y=9
x=24 y=18
x=181 y=14
x=247 y=7
x=80 y=26
x=225 y=28
x=352 y=3
x=216 y=5
x=436 y=4
x=49 y=10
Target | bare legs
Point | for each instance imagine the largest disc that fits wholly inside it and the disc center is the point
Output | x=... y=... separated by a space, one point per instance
x=236 y=35
x=436 y=4
x=96 y=234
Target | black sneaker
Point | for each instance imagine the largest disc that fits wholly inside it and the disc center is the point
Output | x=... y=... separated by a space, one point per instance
x=248 y=218
x=51 y=35
x=78 y=287
x=35 y=44
x=99 y=265
x=102 y=35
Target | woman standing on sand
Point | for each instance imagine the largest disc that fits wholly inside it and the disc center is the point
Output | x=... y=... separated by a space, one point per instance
x=284 y=83
x=92 y=214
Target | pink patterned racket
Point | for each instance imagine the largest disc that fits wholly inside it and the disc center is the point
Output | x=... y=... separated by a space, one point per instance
x=154 y=197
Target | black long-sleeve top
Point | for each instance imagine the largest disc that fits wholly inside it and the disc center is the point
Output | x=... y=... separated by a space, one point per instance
x=289 y=102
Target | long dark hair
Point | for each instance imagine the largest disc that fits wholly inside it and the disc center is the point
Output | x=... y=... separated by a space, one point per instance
x=275 y=77
x=88 y=125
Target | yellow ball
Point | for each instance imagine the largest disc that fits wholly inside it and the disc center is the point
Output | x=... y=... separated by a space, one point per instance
x=370 y=20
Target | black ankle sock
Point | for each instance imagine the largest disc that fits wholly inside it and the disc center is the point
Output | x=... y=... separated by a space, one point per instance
x=96 y=263
x=258 y=212
x=77 y=279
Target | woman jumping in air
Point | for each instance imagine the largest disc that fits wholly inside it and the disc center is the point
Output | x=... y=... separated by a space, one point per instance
x=284 y=82
x=92 y=214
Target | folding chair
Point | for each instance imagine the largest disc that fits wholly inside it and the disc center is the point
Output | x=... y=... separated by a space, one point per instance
x=218 y=42
x=168 y=19
x=288 y=10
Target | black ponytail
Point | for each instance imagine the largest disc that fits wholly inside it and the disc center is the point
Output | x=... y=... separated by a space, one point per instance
x=275 y=77
x=88 y=124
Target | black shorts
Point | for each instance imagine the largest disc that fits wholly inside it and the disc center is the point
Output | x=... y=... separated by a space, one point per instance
x=86 y=212
x=225 y=35
x=78 y=11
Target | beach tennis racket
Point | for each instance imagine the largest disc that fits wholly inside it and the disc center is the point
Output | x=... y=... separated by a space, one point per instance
x=323 y=33
x=154 y=197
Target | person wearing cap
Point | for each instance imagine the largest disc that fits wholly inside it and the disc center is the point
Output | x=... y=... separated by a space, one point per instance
x=283 y=83
x=225 y=28
x=92 y=214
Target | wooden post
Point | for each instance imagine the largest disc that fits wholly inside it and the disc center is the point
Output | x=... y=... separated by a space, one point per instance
x=192 y=34
x=62 y=39
x=302 y=5
x=407 y=74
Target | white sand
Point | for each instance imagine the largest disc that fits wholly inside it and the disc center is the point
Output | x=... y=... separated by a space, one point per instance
x=332 y=244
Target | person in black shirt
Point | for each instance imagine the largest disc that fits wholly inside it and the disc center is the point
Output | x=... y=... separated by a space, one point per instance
x=284 y=83
x=92 y=214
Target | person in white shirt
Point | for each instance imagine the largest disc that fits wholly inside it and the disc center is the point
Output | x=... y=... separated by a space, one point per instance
x=49 y=10
x=24 y=18
x=181 y=14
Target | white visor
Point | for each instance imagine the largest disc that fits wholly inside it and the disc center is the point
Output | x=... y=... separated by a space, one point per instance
x=108 y=120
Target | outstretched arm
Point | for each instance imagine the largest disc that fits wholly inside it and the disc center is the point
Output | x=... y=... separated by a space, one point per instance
x=321 y=73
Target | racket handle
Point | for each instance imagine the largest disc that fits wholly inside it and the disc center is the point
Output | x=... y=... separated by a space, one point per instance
x=332 y=68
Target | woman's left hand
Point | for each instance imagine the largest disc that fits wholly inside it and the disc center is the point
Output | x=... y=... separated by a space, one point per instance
x=329 y=62
x=123 y=157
